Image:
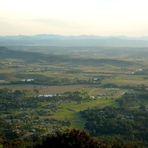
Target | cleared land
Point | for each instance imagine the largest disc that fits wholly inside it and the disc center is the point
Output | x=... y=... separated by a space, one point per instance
x=80 y=71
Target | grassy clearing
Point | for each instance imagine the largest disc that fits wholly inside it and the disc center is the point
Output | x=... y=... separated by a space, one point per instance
x=109 y=92
x=74 y=117
x=94 y=102
x=59 y=89
x=132 y=82
x=129 y=80
x=45 y=89
x=71 y=110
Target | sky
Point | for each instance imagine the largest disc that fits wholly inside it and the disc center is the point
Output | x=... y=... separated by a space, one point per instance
x=74 y=17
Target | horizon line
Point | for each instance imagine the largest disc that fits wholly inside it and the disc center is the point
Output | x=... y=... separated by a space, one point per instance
x=75 y=35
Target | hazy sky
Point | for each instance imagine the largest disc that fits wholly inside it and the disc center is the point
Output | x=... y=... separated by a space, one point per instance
x=74 y=17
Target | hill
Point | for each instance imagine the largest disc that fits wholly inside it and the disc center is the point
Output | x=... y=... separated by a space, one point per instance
x=6 y=53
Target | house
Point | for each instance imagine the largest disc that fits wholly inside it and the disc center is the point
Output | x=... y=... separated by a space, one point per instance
x=46 y=95
x=28 y=80
x=17 y=131
x=95 y=79
x=102 y=95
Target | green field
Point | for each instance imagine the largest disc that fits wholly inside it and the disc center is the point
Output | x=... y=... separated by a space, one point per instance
x=100 y=78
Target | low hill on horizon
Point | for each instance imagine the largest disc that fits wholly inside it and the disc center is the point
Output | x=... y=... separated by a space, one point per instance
x=6 y=53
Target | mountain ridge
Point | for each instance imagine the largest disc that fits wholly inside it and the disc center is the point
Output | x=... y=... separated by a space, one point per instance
x=82 y=40
x=53 y=36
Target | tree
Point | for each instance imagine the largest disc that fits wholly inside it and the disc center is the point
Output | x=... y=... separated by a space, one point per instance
x=71 y=138
x=17 y=143
x=36 y=91
x=74 y=138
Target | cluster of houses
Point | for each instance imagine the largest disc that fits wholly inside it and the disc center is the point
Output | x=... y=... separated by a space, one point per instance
x=137 y=70
x=28 y=80
x=46 y=95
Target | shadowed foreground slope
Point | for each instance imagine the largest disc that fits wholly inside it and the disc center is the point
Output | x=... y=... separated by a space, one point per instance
x=74 y=138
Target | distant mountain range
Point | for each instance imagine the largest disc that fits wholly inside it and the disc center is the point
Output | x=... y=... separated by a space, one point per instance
x=83 y=40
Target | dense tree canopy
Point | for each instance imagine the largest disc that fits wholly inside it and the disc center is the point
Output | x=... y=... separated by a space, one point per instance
x=74 y=138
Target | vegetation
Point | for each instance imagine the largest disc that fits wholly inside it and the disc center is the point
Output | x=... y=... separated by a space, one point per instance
x=73 y=138
x=41 y=95
x=126 y=124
